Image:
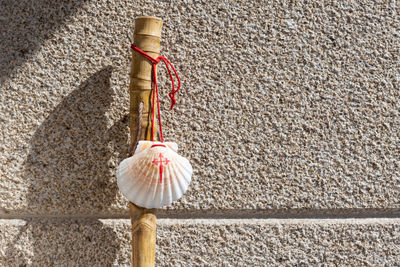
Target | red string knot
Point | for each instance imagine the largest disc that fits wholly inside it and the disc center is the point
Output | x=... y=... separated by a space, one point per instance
x=168 y=64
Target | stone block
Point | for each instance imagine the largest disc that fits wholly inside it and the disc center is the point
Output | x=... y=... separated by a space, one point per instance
x=284 y=105
x=206 y=242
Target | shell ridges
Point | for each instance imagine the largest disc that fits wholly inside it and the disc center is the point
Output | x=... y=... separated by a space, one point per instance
x=155 y=175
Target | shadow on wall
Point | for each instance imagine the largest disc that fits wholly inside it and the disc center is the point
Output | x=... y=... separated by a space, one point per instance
x=63 y=243
x=25 y=25
x=69 y=170
x=69 y=166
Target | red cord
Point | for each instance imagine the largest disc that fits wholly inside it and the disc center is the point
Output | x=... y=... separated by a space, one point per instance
x=171 y=94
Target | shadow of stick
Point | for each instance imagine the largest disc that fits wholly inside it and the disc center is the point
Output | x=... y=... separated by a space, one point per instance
x=70 y=169
x=63 y=243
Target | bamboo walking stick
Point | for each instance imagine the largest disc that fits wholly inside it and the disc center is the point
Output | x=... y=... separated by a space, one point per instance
x=147 y=37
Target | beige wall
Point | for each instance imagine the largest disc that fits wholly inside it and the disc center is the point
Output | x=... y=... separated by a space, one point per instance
x=289 y=113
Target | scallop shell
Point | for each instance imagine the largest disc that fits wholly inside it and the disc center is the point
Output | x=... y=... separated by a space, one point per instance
x=155 y=175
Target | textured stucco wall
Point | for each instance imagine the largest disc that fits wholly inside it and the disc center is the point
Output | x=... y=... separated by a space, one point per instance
x=289 y=109
x=82 y=242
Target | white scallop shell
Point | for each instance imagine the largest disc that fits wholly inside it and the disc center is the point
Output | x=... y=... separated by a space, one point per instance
x=155 y=175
